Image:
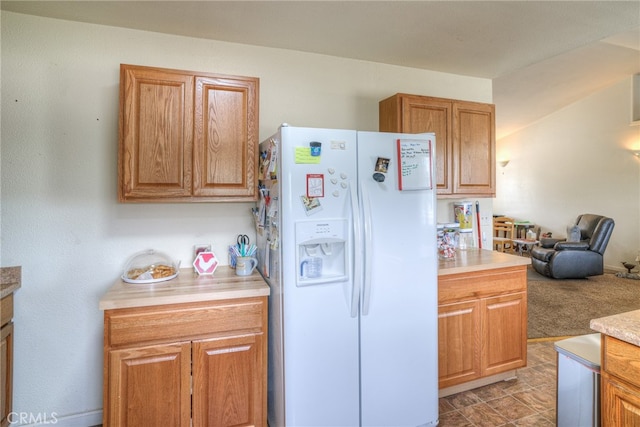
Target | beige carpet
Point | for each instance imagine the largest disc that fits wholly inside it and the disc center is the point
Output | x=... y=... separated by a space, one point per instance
x=559 y=308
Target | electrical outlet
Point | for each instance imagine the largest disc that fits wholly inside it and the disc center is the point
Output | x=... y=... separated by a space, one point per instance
x=485 y=220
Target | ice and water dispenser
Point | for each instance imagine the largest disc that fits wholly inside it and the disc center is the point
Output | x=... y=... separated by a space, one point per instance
x=321 y=252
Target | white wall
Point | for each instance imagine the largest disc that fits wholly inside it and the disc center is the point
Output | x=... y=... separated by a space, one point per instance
x=60 y=218
x=577 y=160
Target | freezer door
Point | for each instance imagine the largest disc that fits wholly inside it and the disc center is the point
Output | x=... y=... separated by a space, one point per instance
x=320 y=336
x=398 y=326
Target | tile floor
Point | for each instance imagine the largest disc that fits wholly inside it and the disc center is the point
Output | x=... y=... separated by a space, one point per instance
x=528 y=400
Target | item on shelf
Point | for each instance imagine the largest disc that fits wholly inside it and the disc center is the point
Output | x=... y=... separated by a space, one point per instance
x=150 y=266
x=463 y=214
x=465 y=239
x=448 y=235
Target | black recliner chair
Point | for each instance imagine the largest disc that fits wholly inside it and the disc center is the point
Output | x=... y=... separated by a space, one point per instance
x=562 y=259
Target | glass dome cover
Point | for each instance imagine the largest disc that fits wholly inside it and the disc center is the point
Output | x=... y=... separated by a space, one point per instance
x=150 y=266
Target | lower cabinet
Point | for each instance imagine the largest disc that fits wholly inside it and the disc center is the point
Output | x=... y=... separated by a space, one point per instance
x=482 y=324
x=150 y=385
x=6 y=359
x=504 y=333
x=620 y=383
x=196 y=364
x=458 y=343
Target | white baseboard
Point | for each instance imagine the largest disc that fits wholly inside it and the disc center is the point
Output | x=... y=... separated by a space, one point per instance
x=86 y=419
x=614 y=269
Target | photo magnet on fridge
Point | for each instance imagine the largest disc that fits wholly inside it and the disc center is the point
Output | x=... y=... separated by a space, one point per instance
x=311 y=204
x=382 y=164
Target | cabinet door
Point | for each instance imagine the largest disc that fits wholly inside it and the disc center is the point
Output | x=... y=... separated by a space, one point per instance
x=156 y=134
x=6 y=373
x=620 y=403
x=458 y=343
x=474 y=149
x=150 y=386
x=504 y=338
x=226 y=138
x=228 y=382
x=432 y=115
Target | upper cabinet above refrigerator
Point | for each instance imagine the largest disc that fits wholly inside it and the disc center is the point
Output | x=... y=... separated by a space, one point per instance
x=465 y=131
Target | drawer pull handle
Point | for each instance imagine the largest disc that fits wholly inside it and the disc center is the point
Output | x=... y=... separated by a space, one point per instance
x=457 y=312
x=229 y=350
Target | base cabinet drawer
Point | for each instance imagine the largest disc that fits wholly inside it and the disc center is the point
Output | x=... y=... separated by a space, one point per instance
x=622 y=360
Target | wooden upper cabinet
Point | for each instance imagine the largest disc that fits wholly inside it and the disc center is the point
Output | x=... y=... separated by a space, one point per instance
x=225 y=137
x=187 y=137
x=474 y=147
x=465 y=139
x=156 y=134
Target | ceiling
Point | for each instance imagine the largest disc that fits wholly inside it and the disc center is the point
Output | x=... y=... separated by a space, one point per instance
x=540 y=55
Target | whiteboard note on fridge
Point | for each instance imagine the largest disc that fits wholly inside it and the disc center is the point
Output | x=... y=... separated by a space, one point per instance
x=414 y=159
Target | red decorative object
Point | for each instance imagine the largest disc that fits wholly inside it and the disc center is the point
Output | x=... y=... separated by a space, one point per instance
x=205 y=263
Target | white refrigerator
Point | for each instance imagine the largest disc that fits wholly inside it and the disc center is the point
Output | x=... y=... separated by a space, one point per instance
x=347 y=242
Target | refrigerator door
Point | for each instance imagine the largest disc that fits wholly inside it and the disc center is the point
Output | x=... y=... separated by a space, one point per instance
x=320 y=335
x=398 y=326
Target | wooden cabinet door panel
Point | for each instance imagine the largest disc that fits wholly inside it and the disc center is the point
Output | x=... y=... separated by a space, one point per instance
x=225 y=141
x=6 y=373
x=150 y=386
x=474 y=148
x=156 y=132
x=504 y=341
x=228 y=382
x=458 y=343
x=620 y=403
x=435 y=116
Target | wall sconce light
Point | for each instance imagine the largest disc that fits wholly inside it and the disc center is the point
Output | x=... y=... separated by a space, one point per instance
x=504 y=163
x=636 y=153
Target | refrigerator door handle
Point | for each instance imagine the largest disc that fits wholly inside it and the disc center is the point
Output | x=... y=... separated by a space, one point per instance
x=368 y=252
x=356 y=279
